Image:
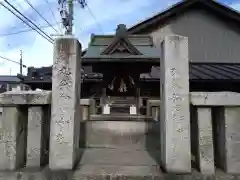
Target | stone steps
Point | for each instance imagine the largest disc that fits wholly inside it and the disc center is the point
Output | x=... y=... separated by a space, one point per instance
x=119 y=157
x=118 y=164
x=120 y=108
x=121 y=117
x=121 y=105
x=119 y=133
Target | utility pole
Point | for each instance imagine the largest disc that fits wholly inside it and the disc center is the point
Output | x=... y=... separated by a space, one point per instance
x=16 y=62
x=70 y=9
x=21 y=63
x=66 y=13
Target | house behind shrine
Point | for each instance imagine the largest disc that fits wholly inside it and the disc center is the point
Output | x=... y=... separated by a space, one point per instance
x=9 y=83
x=213 y=32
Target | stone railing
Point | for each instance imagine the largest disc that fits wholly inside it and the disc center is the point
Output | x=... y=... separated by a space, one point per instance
x=216 y=131
x=25 y=120
x=24 y=129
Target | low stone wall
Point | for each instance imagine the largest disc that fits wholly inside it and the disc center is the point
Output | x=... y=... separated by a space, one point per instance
x=217 y=131
x=24 y=128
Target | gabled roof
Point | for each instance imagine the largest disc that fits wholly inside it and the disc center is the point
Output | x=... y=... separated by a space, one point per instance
x=121 y=47
x=121 y=43
x=212 y=6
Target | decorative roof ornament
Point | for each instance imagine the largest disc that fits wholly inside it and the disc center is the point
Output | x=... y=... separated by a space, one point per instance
x=121 y=31
x=121 y=43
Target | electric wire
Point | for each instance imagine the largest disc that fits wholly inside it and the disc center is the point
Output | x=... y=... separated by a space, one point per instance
x=94 y=17
x=54 y=17
x=43 y=34
x=40 y=14
x=7 y=59
x=27 y=19
x=25 y=30
x=32 y=16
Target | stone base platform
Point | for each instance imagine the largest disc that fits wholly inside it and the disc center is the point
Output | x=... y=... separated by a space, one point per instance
x=120 y=117
x=104 y=172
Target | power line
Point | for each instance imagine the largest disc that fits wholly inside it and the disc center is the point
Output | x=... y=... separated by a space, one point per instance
x=25 y=30
x=10 y=60
x=39 y=14
x=84 y=4
x=23 y=9
x=54 y=17
x=27 y=19
x=48 y=38
x=94 y=17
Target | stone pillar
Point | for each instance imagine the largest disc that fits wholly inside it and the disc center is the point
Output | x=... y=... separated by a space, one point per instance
x=153 y=109
x=66 y=87
x=205 y=155
x=38 y=136
x=228 y=138
x=86 y=108
x=92 y=106
x=13 y=138
x=175 y=113
x=35 y=117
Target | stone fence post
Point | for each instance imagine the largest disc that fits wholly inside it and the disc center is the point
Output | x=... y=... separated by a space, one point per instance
x=218 y=131
x=24 y=129
x=175 y=111
x=87 y=108
x=153 y=109
x=66 y=86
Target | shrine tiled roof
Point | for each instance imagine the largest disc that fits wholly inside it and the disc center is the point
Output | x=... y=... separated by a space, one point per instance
x=121 y=46
x=147 y=51
x=207 y=71
x=197 y=72
x=214 y=71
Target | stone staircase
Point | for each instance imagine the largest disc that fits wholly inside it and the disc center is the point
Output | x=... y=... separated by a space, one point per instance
x=120 y=149
x=121 y=105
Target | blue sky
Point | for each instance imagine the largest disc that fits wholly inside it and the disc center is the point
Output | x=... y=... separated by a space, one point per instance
x=107 y=13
